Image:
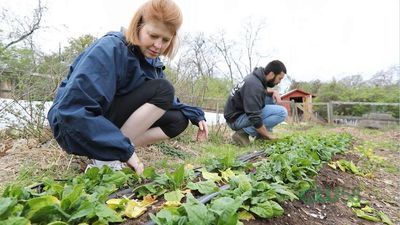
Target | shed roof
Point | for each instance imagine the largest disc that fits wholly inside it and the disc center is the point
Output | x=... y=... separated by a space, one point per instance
x=297 y=90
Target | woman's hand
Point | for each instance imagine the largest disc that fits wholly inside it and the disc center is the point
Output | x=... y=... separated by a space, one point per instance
x=135 y=163
x=202 y=133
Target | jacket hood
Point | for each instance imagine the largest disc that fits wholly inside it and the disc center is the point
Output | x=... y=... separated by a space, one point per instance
x=156 y=63
x=259 y=73
x=134 y=48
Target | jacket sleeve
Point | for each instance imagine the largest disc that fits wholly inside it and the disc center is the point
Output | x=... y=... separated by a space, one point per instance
x=88 y=95
x=194 y=114
x=253 y=99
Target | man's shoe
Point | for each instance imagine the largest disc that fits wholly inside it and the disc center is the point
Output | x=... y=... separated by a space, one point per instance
x=241 y=138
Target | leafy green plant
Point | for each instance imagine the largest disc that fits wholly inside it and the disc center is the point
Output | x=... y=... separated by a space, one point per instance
x=79 y=200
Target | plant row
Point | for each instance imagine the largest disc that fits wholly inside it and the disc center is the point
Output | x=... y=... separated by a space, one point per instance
x=253 y=189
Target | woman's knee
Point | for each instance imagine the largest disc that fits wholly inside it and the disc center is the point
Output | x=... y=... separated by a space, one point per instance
x=176 y=125
x=180 y=127
x=164 y=95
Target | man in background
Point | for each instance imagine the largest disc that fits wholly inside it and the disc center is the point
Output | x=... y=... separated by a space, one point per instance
x=250 y=109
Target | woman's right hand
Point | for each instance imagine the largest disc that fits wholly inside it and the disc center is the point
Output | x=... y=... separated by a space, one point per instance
x=135 y=163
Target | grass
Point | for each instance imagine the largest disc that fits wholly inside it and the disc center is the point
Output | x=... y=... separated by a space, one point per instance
x=30 y=174
x=185 y=149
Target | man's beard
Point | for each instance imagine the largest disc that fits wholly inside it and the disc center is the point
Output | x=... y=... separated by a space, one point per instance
x=270 y=84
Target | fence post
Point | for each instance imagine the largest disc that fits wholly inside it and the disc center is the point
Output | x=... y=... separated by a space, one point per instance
x=293 y=111
x=217 y=114
x=330 y=112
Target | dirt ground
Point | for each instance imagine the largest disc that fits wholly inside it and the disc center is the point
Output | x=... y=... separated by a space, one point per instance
x=381 y=190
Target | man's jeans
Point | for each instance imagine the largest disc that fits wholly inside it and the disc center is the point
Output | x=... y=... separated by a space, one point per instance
x=272 y=115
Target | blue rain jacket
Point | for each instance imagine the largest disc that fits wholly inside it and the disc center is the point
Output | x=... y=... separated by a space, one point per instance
x=106 y=69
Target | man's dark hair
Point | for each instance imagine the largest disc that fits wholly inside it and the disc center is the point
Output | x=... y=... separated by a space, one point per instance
x=276 y=67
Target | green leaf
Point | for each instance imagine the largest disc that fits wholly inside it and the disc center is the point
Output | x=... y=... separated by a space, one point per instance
x=204 y=187
x=178 y=176
x=197 y=212
x=365 y=216
x=226 y=209
x=57 y=223
x=104 y=212
x=6 y=206
x=47 y=213
x=149 y=173
x=385 y=219
x=71 y=196
x=263 y=210
x=16 y=192
x=283 y=190
x=167 y=217
x=93 y=173
x=86 y=210
x=117 y=178
x=15 y=221
x=174 y=196
x=242 y=181
x=35 y=204
x=278 y=210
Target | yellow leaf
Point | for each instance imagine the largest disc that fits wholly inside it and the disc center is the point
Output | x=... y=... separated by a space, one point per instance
x=245 y=215
x=132 y=203
x=113 y=203
x=187 y=191
x=172 y=204
x=369 y=175
x=133 y=210
x=189 y=166
x=210 y=176
x=332 y=165
x=147 y=200
x=227 y=174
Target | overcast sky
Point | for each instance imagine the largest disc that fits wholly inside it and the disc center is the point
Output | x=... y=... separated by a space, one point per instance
x=316 y=39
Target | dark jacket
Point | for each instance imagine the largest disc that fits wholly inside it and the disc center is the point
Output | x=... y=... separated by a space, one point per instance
x=106 y=69
x=248 y=97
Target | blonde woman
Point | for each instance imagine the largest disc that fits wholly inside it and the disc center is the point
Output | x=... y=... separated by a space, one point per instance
x=115 y=96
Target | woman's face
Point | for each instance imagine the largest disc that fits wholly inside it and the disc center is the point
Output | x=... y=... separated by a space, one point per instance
x=154 y=38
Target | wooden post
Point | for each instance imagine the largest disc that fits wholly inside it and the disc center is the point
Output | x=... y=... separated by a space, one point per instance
x=293 y=110
x=330 y=112
x=217 y=113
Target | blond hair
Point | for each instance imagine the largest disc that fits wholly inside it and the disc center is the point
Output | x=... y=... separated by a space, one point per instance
x=164 y=11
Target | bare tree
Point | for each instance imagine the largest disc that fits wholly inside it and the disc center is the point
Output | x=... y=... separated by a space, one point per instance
x=352 y=80
x=225 y=49
x=386 y=77
x=197 y=62
x=21 y=29
x=251 y=37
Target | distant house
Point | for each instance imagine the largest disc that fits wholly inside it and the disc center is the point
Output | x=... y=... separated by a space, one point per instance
x=9 y=81
x=298 y=96
x=6 y=84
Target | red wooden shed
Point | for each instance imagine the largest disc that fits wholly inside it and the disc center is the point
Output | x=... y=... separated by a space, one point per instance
x=298 y=96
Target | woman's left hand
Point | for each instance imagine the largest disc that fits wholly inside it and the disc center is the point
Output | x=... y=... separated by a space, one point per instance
x=202 y=133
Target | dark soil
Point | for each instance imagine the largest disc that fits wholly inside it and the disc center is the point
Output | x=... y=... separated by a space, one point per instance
x=381 y=191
